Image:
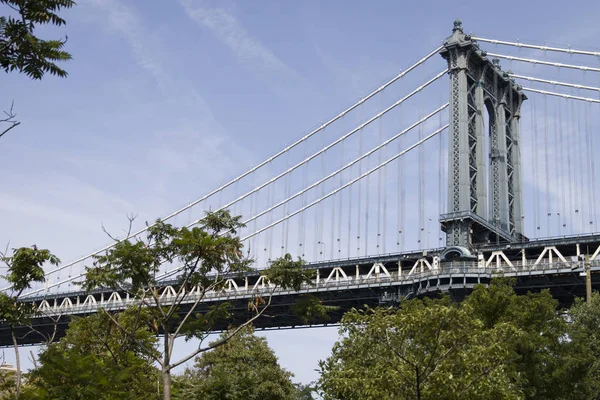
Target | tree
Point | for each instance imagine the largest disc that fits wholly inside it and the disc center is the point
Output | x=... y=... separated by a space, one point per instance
x=24 y=52
x=305 y=392
x=21 y=50
x=584 y=332
x=206 y=255
x=548 y=363
x=243 y=369
x=97 y=360
x=24 y=268
x=426 y=349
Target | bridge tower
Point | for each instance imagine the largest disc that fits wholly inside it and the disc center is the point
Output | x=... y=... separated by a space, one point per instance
x=481 y=209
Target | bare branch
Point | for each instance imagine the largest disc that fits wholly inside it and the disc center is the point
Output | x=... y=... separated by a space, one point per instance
x=131 y=218
x=10 y=119
x=108 y=234
x=33 y=359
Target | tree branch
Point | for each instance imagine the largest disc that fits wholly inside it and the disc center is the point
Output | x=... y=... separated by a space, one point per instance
x=10 y=119
x=221 y=341
x=132 y=336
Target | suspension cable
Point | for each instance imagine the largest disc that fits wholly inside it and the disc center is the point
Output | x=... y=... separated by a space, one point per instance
x=550 y=63
x=563 y=95
x=276 y=178
x=367 y=173
x=304 y=208
x=322 y=180
x=268 y=160
x=537 y=47
x=348 y=165
x=555 y=83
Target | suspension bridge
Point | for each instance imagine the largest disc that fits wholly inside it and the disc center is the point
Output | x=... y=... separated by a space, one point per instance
x=460 y=167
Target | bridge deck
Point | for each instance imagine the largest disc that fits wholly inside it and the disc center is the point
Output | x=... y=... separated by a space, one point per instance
x=548 y=263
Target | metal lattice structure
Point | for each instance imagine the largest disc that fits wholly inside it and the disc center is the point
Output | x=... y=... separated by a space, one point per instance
x=478 y=85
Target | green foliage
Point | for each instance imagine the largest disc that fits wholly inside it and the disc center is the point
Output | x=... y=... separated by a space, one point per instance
x=310 y=308
x=12 y=312
x=25 y=266
x=547 y=363
x=245 y=368
x=305 y=392
x=98 y=360
x=289 y=274
x=494 y=345
x=20 y=49
x=205 y=255
x=7 y=385
x=584 y=333
x=428 y=349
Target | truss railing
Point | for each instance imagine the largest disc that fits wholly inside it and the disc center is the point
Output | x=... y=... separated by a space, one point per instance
x=338 y=279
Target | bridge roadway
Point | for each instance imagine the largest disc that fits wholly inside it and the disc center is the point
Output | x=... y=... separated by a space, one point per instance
x=552 y=263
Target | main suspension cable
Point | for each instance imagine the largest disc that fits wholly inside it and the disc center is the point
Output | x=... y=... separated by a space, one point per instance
x=538 y=47
x=554 y=83
x=317 y=201
x=348 y=165
x=263 y=163
x=276 y=178
x=347 y=183
x=563 y=95
x=540 y=62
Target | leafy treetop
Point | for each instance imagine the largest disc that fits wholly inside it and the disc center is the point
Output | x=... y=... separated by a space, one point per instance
x=20 y=49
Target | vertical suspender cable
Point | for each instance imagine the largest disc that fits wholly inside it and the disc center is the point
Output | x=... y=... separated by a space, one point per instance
x=402 y=200
x=571 y=178
x=360 y=184
x=440 y=186
x=556 y=161
x=332 y=223
x=284 y=209
x=251 y=242
x=536 y=193
x=322 y=207
x=379 y=178
x=385 y=185
x=349 y=237
x=400 y=185
x=581 y=166
x=302 y=225
x=547 y=188
x=561 y=170
x=421 y=186
x=590 y=171
x=270 y=200
x=593 y=171
x=340 y=206
x=367 y=192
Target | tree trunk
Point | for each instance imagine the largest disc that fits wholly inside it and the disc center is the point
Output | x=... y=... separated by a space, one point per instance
x=166 y=375
x=166 y=367
x=17 y=362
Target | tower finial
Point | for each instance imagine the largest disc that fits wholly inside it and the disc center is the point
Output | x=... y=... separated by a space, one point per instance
x=457 y=25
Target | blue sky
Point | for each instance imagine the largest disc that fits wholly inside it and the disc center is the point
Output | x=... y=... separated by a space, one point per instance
x=166 y=100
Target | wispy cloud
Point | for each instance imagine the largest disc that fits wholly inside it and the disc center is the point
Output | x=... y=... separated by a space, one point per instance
x=196 y=138
x=124 y=20
x=230 y=31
